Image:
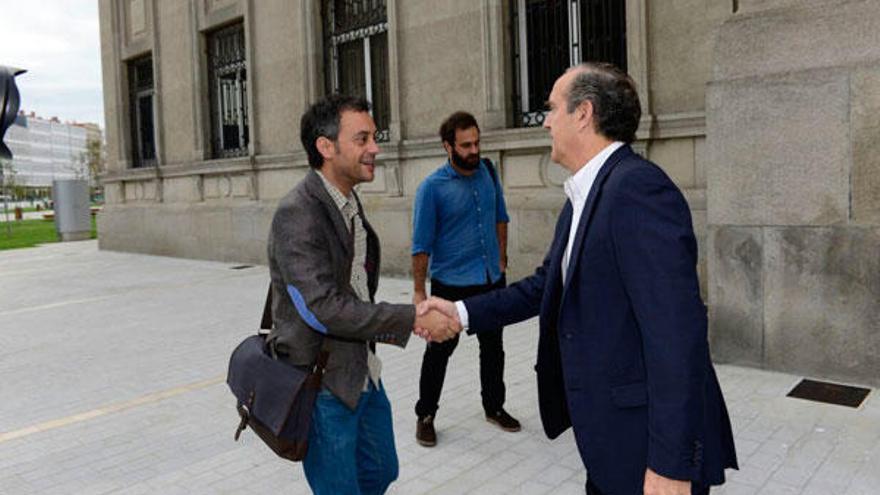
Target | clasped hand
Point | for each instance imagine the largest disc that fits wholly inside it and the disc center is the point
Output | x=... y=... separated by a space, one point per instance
x=436 y=320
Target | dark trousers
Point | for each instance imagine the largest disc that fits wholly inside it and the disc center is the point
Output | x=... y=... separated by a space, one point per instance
x=695 y=489
x=437 y=356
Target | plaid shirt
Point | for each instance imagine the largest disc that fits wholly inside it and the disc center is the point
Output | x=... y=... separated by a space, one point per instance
x=349 y=209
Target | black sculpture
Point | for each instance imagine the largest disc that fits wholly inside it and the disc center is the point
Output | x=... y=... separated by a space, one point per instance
x=9 y=101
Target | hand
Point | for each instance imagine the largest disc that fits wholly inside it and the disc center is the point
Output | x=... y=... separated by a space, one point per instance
x=441 y=306
x=419 y=296
x=435 y=326
x=660 y=485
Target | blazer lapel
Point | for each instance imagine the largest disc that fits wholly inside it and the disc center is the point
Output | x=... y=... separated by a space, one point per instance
x=554 y=271
x=554 y=275
x=316 y=187
x=373 y=255
x=589 y=208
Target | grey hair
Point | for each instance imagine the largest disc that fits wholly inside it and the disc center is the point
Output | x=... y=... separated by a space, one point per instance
x=613 y=95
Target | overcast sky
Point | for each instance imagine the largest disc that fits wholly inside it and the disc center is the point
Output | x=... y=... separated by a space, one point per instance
x=58 y=43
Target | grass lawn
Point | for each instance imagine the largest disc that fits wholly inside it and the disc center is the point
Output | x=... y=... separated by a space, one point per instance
x=29 y=233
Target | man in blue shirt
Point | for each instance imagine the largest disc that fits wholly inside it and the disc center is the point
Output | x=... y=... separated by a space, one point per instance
x=460 y=226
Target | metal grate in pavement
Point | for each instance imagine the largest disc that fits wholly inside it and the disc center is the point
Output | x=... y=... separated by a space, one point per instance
x=830 y=393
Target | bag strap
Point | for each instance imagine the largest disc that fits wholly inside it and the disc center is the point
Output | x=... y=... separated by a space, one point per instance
x=491 y=169
x=266 y=323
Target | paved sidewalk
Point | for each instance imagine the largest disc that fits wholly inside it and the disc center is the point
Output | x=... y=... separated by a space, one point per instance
x=113 y=368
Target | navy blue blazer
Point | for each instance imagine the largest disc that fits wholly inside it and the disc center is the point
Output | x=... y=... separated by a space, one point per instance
x=623 y=355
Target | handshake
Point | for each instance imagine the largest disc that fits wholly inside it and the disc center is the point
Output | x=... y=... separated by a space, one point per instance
x=436 y=320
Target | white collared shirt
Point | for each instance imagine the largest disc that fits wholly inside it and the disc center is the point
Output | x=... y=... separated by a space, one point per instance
x=577 y=188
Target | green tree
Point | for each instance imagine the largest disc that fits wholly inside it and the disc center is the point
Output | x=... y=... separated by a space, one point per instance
x=91 y=165
x=7 y=183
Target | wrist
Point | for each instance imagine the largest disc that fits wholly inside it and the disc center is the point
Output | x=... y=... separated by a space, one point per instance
x=419 y=296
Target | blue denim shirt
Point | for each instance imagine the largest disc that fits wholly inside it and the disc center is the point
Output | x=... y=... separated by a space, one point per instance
x=454 y=221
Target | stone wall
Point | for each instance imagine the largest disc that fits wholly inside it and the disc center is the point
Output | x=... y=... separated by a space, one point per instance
x=443 y=56
x=794 y=188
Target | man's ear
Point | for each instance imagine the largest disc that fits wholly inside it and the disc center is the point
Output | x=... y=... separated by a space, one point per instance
x=326 y=147
x=585 y=115
x=448 y=148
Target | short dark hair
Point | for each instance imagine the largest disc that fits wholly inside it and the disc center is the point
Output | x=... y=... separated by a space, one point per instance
x=458 y=121
x=612 y=92
x=322 y=119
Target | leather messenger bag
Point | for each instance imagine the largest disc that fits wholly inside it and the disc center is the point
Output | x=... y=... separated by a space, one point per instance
x=274 y=397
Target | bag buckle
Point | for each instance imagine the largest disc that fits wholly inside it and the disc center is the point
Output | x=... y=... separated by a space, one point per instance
x=245 y=417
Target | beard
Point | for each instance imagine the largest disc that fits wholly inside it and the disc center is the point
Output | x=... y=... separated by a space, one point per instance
x=470 y=162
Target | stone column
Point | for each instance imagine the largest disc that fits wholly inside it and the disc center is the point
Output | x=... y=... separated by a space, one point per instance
x=793 y=188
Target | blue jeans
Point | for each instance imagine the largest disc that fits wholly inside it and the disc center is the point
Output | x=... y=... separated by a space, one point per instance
x=351 y=452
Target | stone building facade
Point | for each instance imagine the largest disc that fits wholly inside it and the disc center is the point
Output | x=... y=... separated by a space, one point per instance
x=793 y=140
x=203 y=99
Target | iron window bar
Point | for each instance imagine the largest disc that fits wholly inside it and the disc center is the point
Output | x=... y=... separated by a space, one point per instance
x=227 y=64
x=364 y=21
x=548 y=32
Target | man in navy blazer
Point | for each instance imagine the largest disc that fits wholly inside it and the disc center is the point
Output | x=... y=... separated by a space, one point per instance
x=623 y=355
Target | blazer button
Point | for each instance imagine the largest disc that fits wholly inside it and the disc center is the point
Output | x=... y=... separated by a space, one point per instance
x=568 y=336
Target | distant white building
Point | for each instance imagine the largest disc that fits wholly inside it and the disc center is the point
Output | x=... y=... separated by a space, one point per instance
x=47 y=149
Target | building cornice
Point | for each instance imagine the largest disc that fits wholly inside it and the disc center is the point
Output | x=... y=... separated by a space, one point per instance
x=669 y=126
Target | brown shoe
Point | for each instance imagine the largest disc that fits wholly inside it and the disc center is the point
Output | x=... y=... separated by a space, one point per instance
x=425 y=434
x=504 y=421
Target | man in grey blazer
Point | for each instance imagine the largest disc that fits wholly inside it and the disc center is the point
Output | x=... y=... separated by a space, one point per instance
x=324 y=264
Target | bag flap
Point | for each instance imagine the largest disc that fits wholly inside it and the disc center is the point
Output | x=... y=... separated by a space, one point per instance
x=266 y=386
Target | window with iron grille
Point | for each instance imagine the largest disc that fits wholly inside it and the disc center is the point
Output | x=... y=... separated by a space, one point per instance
x=552 y=35
x=140 y=100
x=227 y=83
x=356 y=54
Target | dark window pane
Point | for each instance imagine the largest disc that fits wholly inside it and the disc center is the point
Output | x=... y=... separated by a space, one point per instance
x=350 y=15
x=547 y=42
x=145 y=119
x=245 y=136
x=229 y=118
x=228 y=79
x=603 y=31
x=379 y=80
x=140 y=75
x=143 y=74
x=348 y=24
x=547 y=47
x=351 y=68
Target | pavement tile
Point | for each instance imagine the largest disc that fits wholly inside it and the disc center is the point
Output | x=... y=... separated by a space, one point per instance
x=106 y=328
x=775 y=488
x=734 y=488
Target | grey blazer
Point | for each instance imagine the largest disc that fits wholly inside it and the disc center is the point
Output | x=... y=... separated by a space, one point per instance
x=310 y=256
